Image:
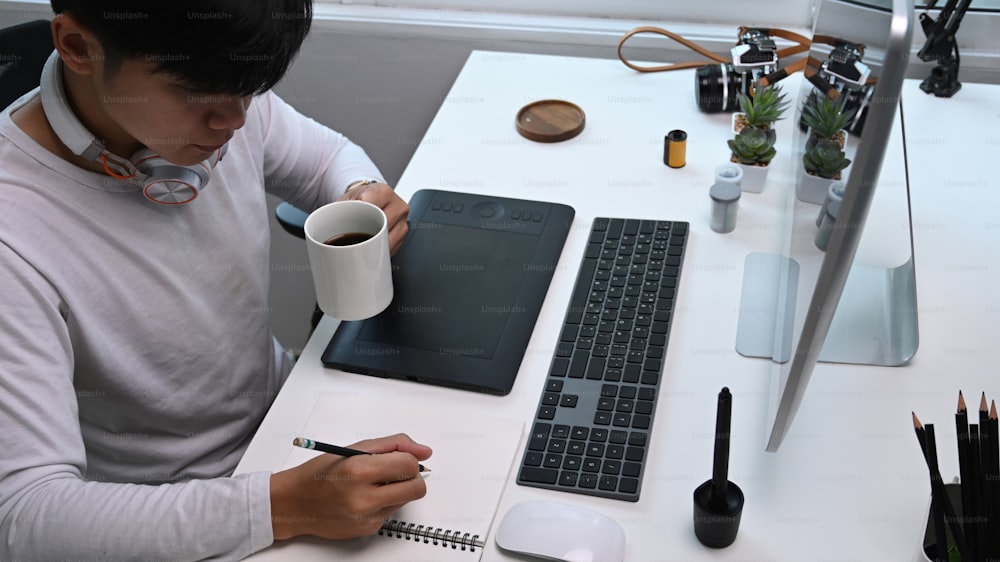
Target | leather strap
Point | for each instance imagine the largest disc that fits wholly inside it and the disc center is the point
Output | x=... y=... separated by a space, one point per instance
x=802 y=45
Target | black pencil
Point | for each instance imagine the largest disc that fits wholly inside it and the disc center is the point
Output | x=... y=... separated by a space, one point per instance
x=978 y=486
x=986 y=452
x=964 y=471
x=940 y=502
x=993 y=483
x=937 y=497
x=720 y=465
x=336 y=450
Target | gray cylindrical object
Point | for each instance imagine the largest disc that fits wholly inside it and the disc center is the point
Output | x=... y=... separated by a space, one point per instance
x=729 y=173
x=835 y=191
x=725 y=204
x=828 y=215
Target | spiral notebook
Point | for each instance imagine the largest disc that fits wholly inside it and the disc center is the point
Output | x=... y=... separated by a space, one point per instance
x=471 y=464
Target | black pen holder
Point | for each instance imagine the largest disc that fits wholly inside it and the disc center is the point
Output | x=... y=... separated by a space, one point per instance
x=717 y=528
x=928 y=545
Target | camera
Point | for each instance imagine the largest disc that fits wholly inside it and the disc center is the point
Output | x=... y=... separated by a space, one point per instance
x=843 y=74
x=717 y=85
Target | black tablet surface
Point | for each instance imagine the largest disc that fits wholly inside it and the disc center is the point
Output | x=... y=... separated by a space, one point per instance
x=468 y=284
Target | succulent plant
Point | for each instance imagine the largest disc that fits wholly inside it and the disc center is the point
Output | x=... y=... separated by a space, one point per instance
x=826 y=116
x=752 y=146
x=767 y=105
x=825 y=160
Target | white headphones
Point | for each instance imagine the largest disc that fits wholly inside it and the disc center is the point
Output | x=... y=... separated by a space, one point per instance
x=162 y=181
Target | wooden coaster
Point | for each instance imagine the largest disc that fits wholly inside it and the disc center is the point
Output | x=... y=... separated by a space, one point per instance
x=550 y=121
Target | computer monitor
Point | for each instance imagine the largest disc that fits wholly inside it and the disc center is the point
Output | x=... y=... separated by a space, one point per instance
x=855 y=302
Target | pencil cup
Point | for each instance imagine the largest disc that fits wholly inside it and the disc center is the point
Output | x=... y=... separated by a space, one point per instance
x=717 y=528
x=348 y=246
x=927 y=545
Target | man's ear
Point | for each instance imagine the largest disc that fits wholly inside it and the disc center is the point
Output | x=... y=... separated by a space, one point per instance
x=80 y=49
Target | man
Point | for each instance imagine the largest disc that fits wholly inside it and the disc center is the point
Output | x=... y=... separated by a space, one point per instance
x=136 y=358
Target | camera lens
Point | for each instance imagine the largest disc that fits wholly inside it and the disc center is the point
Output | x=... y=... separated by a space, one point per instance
x=716 y=86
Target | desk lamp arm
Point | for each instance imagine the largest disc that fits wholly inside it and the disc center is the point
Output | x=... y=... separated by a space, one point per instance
x=942 y=47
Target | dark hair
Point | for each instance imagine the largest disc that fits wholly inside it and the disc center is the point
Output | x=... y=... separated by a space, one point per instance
x=234 y=47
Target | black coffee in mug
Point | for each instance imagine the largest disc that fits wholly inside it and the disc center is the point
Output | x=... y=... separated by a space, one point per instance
x=347 y=239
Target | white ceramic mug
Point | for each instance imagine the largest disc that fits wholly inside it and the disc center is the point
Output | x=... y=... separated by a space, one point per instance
x=353 y=281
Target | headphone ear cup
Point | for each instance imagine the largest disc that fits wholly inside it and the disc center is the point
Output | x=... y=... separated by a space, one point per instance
x=169 y=183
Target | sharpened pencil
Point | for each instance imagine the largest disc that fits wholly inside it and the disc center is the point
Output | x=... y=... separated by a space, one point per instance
x=336 y=450
x=965 y=472
x=942 y=510
x=987 y=452
x=993 y=483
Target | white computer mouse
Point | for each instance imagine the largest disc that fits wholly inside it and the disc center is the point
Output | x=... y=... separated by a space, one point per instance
x=560 y=531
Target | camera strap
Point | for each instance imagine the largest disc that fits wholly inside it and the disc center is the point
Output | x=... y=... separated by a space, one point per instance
x=802 y=44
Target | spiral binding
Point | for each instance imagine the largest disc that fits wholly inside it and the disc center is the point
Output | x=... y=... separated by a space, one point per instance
x=435 y=536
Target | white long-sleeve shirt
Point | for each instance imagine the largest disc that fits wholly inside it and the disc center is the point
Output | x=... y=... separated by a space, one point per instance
x=136 y=357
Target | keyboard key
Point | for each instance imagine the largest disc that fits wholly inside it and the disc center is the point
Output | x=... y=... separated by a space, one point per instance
x=628 y=485
x=552 y=461
x=595 y=370
x=539 y=437
x=608 y=483
x=560 y=367
x=634 y=454
x=540 y=475
x=568 y=478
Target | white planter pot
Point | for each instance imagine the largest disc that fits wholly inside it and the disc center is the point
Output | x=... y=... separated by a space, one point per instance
x=844 y=131
x=753 y=178
x=810 y=188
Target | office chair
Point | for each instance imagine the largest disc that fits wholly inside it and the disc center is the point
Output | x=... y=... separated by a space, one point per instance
x=23 y=50
x=293 y=221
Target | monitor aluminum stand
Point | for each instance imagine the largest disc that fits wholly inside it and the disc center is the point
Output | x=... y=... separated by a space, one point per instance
x=858 y=314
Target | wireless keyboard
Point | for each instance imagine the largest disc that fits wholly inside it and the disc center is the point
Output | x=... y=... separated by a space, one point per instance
x=591 y=432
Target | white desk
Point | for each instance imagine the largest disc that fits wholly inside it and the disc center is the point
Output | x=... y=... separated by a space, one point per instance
x=848 y=483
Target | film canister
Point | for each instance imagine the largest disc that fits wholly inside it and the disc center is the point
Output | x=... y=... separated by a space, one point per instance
x=725 y=205
x=674 y=148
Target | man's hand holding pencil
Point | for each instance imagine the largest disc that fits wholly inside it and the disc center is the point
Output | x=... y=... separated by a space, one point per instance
x=338 y=497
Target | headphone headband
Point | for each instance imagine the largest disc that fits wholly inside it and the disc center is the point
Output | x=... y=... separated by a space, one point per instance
x=162 y=181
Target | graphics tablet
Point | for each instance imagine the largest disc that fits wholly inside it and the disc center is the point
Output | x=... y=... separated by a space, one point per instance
x=468 y=282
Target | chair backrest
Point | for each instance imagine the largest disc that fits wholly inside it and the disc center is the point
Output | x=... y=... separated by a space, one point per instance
x=23 y=50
